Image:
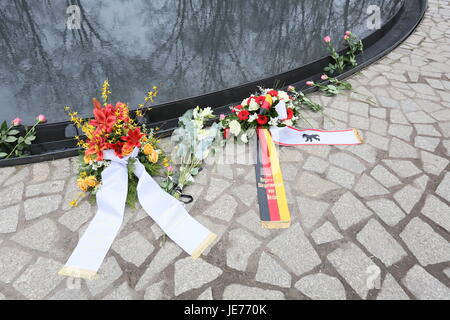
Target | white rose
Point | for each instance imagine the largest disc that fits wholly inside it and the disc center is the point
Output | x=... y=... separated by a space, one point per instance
x=244 y=103
x=253 y=106
x=207 y=112
x=235 y=127
x=283 y=95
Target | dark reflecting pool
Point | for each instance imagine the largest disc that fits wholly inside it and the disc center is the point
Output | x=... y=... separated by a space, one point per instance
x=188 y=47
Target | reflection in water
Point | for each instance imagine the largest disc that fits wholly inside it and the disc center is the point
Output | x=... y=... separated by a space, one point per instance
x=189 y=47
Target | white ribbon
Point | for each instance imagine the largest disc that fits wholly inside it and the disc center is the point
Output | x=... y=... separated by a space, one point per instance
x=168 y=213
x=289 y=136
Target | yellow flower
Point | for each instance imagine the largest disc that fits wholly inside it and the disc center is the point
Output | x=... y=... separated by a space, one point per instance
x=148 y=149
x=85 y=183
x=166 y=162
x=153 y=158
x=105 y=91
x=73 y=203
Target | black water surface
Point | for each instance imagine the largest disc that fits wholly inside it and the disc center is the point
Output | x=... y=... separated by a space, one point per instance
x=188 y=47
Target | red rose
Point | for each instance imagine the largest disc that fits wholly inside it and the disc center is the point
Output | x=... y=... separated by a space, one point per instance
x=260 y=100
x=262 y=120
x=273 y=93
x=243 y=115
x=239 y=107
x=290 y=114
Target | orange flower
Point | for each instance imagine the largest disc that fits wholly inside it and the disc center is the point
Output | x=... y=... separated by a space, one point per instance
x=153 y=158
x=104 y=118
x=127 y=149
x=148 y=149
x=85 y=183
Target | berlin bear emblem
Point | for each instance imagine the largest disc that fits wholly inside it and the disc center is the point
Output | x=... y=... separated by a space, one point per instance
x=311 y=137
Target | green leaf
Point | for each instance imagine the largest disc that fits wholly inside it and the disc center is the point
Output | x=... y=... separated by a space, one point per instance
x=10 y=139
x=3 y=154
x=13 y=132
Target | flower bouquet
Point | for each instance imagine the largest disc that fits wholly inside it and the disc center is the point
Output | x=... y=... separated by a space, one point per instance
x=112 y=128
x=193 y=143
x=270 y=108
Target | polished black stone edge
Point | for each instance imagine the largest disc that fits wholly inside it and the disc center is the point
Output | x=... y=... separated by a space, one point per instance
x=54 y=140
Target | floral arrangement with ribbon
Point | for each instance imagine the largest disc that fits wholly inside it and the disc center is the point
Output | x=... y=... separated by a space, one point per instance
x=112 y=128
x=270 y=108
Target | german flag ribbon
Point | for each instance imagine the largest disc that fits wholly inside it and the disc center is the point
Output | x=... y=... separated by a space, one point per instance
x=272 y=201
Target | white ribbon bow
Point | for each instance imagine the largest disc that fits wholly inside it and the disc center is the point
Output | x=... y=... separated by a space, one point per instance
x=168 y=213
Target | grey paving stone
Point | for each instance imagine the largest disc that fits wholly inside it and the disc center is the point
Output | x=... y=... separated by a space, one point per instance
x=426 y=143
x=419 y=117
x=326 y=233
x=240 y=292
x=444 y=187
x=76 y=217
x=19 y=176
x=348 y=210
x=193 y=273
x=428 y=246
x=437 y=211
x=378 y=126
x=108 y=273
x=380 y=243
x=377 y=141
x=156 y=292
x=251 y=221
x=316 y=165
x=289 y=171
x=368 y=187
x=44 y=188
x=424 y=286
x=216 y=188
x=60 y=169
x=347 y=162
x=12 y=194
x=378 y=112
x=38 y=280
x=12 y=261
x=294 y=249
x=318 y=151
x=314 y=186
x=5 y=173
x=403 y=168
x=289 y=155
x=133 y=248
x=310 y=211
x=246 y=193
x=9 y=218
x=364 y=151
x=321 y=287
x=352 y=264
x=398 y=117
x=341 y=177
x=400 y=131
x=359 y=108
x=391 y=290
x=408 y=197
x=224 y=208
x=41 y=172
x=266 y=274
x=381 y=174
x=400 y=149
x=240 y=247
x=37 y=207
x=165 y=256
x=206 y=295
x=387 y=210
x=123 y=292
x=41 y=236
x=218 y=229
x=433 y=164
x=427 y=130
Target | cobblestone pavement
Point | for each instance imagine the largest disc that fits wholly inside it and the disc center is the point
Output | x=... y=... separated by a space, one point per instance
x=358 y=212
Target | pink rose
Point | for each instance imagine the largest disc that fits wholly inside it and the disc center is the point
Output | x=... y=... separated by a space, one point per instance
x=41 y=118
x=222 y=117
x=327 y=39
x=348 y=33
x=170 y=168
x=291 y=88
x=346 y=37
x=324 y=77
x=310 y=83
x=16 y=122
